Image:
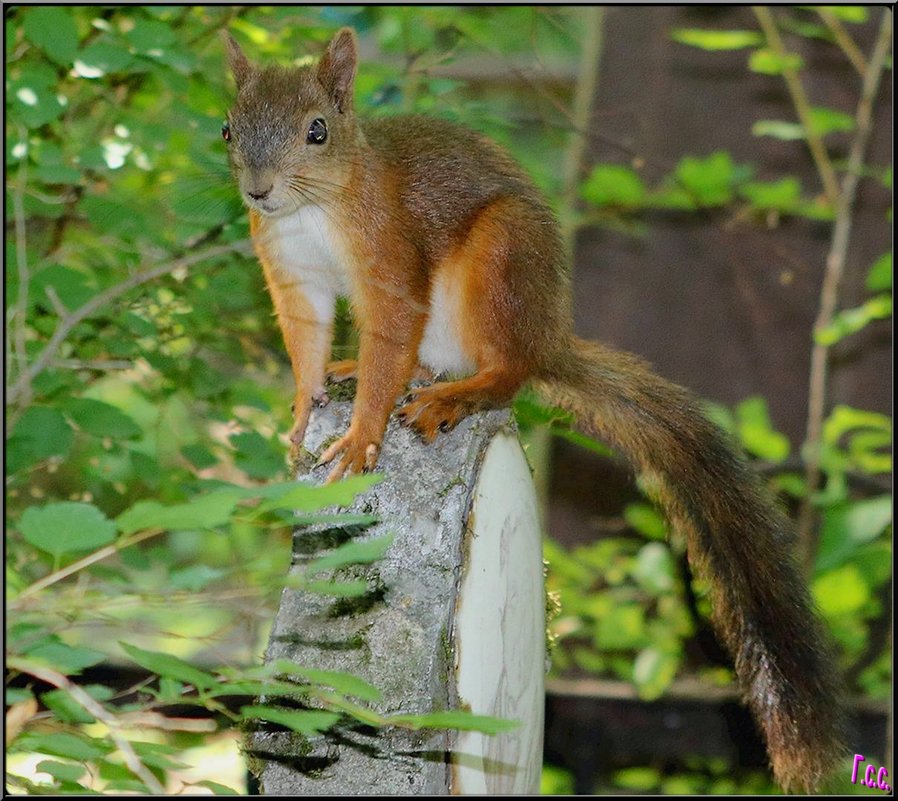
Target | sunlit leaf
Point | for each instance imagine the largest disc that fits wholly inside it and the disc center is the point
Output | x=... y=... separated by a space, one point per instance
x=850 y=321
x=206 y=511
x=757 y=433
x=879 y=277
x=614 y=185
x=66 y=527
x=169 y=666
x=769 y=62
x=304 y=721
x=68 y=659
x=460 y=720
x=653 y=671
x=340 y=681
x=707 y=39
x=361 y=551
x=842 y=591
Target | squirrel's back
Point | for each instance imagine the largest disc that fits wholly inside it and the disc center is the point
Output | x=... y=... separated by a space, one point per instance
x=448 y=173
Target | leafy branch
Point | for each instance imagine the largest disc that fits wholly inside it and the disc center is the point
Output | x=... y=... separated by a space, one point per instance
x=20 y=392
x=832 y=279
x=801 y=103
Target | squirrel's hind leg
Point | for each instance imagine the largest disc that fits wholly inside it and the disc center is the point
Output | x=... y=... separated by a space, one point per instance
x=443 y=405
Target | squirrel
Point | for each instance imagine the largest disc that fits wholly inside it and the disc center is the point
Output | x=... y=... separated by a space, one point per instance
x=454 y=264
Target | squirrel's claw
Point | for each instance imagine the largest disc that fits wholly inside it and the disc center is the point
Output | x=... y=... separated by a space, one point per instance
x=358 y=456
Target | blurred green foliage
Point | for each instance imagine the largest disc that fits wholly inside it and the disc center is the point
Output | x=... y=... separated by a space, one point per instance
x=147 y=387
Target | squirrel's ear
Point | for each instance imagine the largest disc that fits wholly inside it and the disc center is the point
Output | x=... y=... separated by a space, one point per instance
x=240 y=65
x=336 y=70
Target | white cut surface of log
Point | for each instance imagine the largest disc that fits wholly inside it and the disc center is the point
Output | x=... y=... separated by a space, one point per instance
x=500 y=628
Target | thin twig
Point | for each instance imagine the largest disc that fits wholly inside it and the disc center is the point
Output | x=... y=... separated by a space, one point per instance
x=801 y=104
x=584 y=93
x=93 y=707
x=18 y=316
x=844 y=40
x=21 y=389
x=91 y=558
x=832 y=279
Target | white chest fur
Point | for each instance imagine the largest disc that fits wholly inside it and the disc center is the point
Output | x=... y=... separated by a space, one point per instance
x=305 y=245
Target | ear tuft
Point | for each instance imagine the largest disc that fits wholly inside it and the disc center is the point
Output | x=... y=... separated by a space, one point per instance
x=241 y=68
x=336 y=70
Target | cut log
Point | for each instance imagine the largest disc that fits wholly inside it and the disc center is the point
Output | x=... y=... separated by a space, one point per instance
x=454 y=619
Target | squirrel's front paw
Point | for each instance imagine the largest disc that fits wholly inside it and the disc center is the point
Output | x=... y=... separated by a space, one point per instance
x=359 y=456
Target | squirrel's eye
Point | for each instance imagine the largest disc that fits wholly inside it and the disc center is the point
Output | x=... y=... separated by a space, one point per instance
x=226 y=132
x=317 y=132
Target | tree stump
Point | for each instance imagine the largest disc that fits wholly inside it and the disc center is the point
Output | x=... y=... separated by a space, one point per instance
x=455 y=620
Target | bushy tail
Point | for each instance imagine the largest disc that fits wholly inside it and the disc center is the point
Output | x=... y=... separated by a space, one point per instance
x=736 y=539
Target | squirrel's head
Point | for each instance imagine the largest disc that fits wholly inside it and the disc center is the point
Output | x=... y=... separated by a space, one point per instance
x=291 y=131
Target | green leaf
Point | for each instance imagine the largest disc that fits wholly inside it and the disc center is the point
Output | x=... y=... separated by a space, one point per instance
x=35 y=106
x=855 y=14
x=850 y=321
x=778 y=129
x=355 y=552
x=306 y=721
x=68 y=659
x=101 y=419
x=653 y=671
x=708 y=180
x=307 y=497
x=339 y=589
x=215 y=787
x=622 y=628
x=66 y=527
x=170 y=666
x=768 y=62
x=716 y=40
x=823 y=121
x=614 y=185
x=63 y=744
x=843 y=419
x=458 y=720
x=64 y=771
x=101 y=58
x=39 y=433
x=879 y=278
x=783 y=195
x=345 y=683
x=204 y=512
x=66 y=708
x=582 y=441
x=842 y=591
x=646 y=520
x=756 y=432
x=199 y=456
x=640 y=780
x=849 y=526
x=149 y=35
x=53 y=30
x=654 y=568
x=829 y=120
x=71 y=287
x=194 y=578
x=256 y=456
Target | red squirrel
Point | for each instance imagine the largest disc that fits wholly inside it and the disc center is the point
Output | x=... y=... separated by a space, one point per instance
x=454 y=264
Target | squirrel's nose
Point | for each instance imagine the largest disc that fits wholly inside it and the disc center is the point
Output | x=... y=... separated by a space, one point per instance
x=260 y=195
